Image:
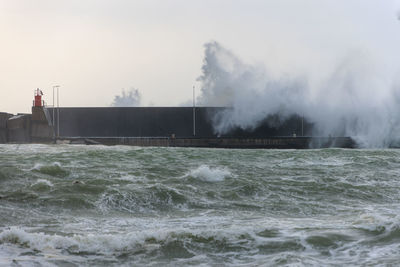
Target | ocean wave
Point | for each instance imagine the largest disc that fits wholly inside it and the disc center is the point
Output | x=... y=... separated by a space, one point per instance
x=379 y=228
x=42 y=184
x=172 y=244
x=231 y=244
x=157 y=243
x=53 y=169
x=91 y=243
x=151 y=199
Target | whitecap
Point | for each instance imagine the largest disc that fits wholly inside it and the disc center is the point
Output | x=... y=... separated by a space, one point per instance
x=39 y=166
x=207 y=174
x=106 y=244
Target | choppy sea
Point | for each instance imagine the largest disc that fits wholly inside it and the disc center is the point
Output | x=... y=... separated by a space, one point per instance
x=65 y=205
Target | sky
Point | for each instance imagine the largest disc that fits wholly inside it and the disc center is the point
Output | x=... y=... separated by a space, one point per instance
x=94 y=49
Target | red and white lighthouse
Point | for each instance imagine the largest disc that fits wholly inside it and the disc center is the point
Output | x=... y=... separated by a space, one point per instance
x=38 y=98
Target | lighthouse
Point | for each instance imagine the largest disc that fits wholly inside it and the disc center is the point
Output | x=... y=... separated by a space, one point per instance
x=38 y=98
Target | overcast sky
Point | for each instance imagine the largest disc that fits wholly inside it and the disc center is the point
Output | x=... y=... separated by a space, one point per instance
x=95 y=48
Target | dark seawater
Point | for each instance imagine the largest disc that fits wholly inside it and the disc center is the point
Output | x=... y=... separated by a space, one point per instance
x=64 y=205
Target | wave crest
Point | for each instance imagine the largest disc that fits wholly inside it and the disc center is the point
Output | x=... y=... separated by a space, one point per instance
x=207 y=174
x=54 y=169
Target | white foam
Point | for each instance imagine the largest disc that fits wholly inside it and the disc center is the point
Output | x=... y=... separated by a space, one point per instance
x=207 y=174
x=106 y=244
x=115 y=243
x=148 y=236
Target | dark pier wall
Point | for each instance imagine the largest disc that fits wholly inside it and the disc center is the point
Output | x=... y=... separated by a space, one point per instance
x=221 y=142
x=157 y=126
x=161 y=122
x=3 y=127
x=131 y=122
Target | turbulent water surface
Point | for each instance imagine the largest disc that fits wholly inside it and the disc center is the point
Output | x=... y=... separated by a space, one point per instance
x=96 y=205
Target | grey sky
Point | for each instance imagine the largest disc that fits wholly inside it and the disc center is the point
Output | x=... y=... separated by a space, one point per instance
x=94 y=48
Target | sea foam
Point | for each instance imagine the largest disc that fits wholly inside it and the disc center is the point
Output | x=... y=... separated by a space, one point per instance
x=207 y=174
x=90 y=243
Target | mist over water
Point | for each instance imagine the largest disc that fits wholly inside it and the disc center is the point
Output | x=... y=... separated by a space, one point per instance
x=359 y=96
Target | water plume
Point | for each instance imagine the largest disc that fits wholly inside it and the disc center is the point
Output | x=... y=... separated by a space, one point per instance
x=131 y=98
x=354 y=99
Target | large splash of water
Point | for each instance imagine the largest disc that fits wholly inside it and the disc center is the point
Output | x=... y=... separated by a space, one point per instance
x=355 y=99
x=347 y=84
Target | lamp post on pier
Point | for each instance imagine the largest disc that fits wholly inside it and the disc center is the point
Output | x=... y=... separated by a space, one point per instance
x=194 y=112
x=58 y=112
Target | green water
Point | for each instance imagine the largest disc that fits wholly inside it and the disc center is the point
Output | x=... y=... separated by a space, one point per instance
x=95 y=205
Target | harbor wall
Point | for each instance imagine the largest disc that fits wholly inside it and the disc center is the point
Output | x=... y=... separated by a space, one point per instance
x=26 y=128
x=242 y=143
x=3 y=127
x=41 y=127
x=19 y=128
x=161 y=122
x=155 y=126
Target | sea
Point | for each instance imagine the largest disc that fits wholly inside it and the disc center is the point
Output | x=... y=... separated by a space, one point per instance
x=76 y=205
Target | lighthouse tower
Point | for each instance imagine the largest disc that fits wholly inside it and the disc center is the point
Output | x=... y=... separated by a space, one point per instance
x=40 y=127
x=38 y=98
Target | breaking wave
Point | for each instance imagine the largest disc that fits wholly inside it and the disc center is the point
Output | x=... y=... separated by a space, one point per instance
x=207 y=174
x=360 y=244
x=53 y=169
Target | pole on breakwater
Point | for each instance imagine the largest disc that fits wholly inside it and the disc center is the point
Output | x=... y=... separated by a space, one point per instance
x=58 y=113
x=194 y=112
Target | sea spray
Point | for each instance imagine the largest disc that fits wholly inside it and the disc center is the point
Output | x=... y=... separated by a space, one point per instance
x=354 y=95
x=207 y=174
x=353 y=101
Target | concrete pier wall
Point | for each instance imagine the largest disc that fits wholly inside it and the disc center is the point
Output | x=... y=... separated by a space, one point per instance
x=245 y=143
x=19 y=129
x=41 y=128
x=26 y=128
x=154 y=126
x=3 y=127
x=163 y=122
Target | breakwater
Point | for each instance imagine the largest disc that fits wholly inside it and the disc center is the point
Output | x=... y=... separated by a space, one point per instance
x=26 y=128
x=268 y=142
x=180 y=122
x=158 y=126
